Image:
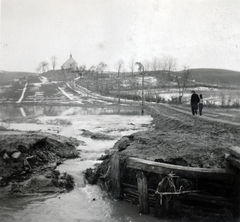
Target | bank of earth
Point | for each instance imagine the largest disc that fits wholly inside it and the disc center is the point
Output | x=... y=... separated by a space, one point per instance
x=179 y=138
x=28 y=162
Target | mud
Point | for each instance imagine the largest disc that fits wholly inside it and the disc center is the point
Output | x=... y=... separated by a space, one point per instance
x=28 y=162
x=175 y=137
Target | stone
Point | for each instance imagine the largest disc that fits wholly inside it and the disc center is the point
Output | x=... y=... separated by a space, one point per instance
x=5 y=156
x=16 y=155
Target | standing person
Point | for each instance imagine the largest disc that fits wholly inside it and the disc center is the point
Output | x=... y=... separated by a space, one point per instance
x=200 y=104
x=194 y=102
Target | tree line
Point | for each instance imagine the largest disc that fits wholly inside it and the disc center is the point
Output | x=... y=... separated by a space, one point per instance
x=94 y=76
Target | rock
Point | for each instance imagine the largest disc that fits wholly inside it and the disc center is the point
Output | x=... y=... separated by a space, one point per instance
x=103 y=157
x=5 y=156
x=16 y=155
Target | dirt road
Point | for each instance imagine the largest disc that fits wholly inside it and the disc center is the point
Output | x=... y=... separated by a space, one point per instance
x=178 y=137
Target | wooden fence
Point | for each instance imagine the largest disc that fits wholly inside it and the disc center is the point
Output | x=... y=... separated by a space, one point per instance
x=220 y=182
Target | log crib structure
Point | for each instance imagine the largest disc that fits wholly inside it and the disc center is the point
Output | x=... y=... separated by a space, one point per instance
x=177 y=191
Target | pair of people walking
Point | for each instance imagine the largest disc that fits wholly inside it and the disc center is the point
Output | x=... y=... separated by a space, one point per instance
x=196 y=103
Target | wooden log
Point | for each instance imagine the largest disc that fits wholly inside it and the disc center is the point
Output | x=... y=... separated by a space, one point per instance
x=188 y=172
x=131 y=195
x=115 y=176
x=131 y=191
x=143 y=192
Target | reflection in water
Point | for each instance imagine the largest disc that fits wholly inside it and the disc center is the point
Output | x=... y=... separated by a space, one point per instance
x=11 y=111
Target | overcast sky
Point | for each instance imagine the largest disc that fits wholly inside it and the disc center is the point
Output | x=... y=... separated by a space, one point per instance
x=198 y=33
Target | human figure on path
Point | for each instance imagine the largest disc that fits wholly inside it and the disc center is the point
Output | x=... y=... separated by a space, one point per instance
x=194 y=102
x=200 y=104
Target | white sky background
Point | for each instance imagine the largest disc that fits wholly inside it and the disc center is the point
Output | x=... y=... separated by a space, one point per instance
x=198 y=33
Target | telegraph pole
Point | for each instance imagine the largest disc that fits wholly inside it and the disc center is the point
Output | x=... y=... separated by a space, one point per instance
x=142 y=90
x=141 y=70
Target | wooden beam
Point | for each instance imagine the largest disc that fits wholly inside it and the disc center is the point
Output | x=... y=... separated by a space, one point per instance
x=115 y=176
x=189 y=172
x=143 y=192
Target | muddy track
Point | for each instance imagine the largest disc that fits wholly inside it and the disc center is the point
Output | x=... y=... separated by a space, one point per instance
x=177 y=137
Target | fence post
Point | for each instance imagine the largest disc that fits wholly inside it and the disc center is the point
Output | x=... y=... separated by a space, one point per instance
x=143 y=192
x=115 y=176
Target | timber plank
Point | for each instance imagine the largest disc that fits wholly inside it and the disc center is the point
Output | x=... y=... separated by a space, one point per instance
x=189 y=172
x=115 y=176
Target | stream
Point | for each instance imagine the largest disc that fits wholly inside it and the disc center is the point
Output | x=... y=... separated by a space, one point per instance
x=86 y=202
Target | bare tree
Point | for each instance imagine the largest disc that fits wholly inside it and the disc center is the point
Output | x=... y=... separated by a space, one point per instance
x=154 y=64
x=92 y=68
x=82 y=70
x=168 y=63
x=43 y=66
x=132 y=65
x=119 y=66
x=54 y=61
x=99 y=70
x=146 y=65
x=182 y=80
x=101 y=67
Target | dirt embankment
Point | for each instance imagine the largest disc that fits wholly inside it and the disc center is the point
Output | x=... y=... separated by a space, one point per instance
x=175 y=137
x=182 y=139
x=28 y=162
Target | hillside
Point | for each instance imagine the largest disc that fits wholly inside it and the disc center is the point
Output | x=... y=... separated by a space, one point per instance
x=216 y=76
x=6 y=77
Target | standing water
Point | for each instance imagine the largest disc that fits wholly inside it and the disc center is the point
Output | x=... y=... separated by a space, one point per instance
x=86 y=202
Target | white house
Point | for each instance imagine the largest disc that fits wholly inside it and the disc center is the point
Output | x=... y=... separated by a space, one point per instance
x=70 y=64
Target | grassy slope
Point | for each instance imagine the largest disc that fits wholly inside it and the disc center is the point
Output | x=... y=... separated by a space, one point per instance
x=216 y=76
x=210 y=76
x=6 y=77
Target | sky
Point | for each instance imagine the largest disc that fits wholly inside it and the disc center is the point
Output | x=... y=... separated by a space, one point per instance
x=198 y=34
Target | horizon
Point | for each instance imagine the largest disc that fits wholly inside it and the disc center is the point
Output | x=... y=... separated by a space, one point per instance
x=200 y=34
x=114 y=71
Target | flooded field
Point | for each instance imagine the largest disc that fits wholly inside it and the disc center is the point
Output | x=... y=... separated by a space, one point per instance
x=14 y=111
x=85 y=202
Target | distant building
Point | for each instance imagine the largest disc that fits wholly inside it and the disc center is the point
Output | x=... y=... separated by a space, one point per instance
x=70 y=64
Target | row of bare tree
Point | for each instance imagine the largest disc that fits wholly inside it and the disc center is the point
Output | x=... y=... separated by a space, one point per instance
x=44 y=65
x=167 y=63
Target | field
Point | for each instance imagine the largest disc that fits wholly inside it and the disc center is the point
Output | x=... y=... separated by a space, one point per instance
x=218 y=87
x=7 y=77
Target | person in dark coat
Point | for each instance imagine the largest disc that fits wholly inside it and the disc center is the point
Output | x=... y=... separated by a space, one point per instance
x=194 y=102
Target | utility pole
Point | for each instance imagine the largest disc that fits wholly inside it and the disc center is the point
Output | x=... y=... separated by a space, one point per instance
x=142 y=90
x=141 y=70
